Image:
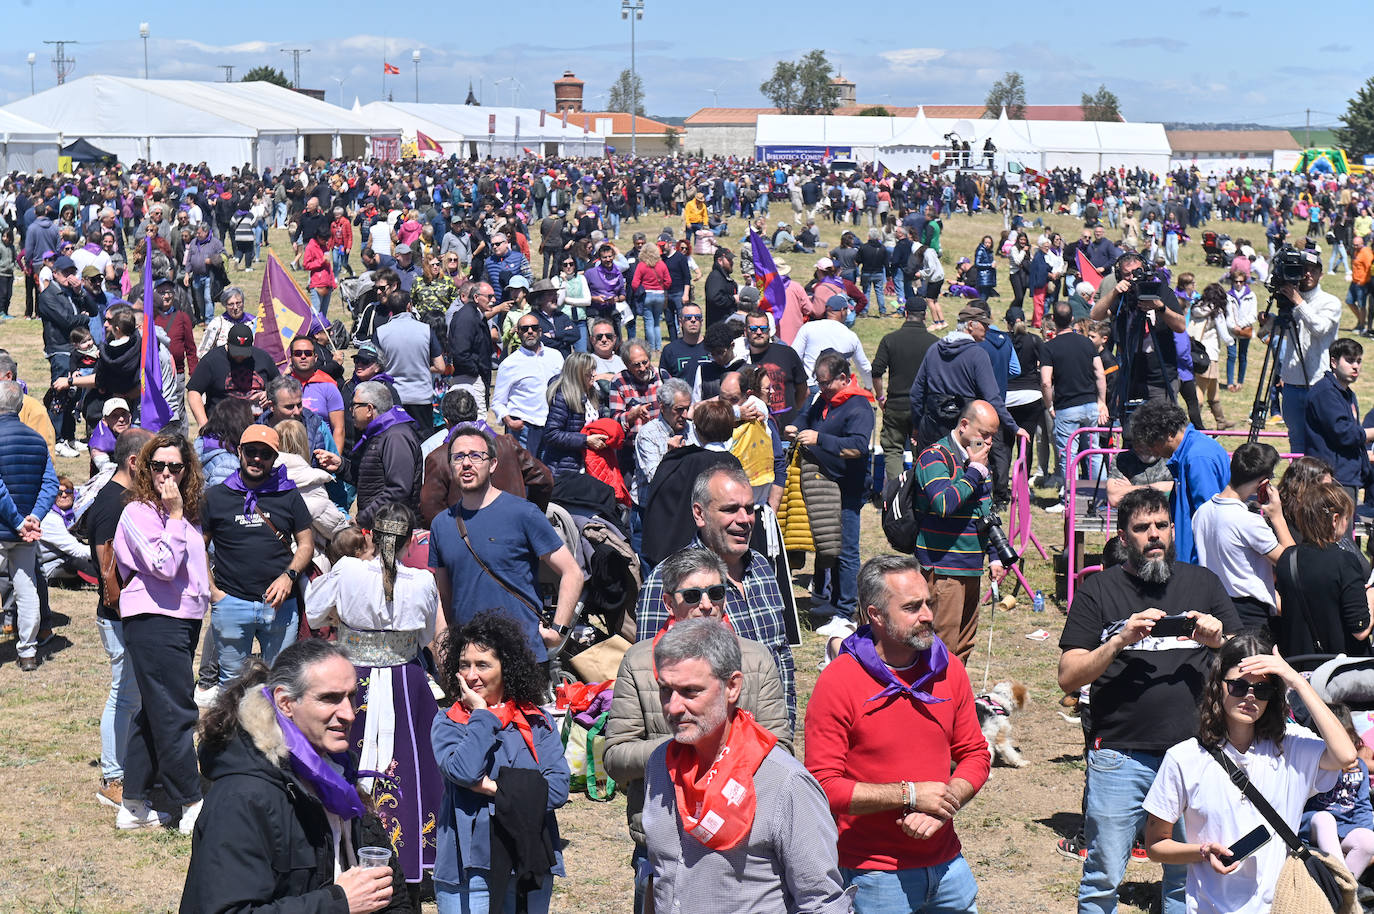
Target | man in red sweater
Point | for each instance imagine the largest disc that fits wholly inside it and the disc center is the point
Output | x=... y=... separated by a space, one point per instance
x=888 y=720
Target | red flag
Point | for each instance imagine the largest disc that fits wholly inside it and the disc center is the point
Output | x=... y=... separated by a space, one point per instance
x=528 y=151
x=1088 y=272
x=391 y=69
x=427 y=144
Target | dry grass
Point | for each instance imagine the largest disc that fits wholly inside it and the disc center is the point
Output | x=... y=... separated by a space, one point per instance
x=64 y=854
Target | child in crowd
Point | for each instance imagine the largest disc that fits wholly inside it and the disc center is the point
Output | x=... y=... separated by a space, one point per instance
x=1340 y=821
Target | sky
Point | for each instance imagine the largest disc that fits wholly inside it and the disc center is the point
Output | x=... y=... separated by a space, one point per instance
x=1190 y=62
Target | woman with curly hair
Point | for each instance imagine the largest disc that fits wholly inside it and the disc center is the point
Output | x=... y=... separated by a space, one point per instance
x=385 y=613
x=160 y=558
x=498 y=754
x=1242 y=717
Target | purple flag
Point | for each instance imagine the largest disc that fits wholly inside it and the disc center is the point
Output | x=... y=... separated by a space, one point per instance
x=772 y=283
x=283 y=312
x=154 y=411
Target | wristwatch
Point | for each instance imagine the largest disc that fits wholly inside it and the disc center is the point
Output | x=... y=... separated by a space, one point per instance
x=559 y=630
x=293 y=574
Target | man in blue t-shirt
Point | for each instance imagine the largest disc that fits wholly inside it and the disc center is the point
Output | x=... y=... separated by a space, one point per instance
x=511 y=537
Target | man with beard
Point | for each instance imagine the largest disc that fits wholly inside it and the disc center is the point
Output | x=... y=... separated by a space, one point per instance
x=898 y=765
x=1201 y=468
x=723 y=510
x=1144 y=686
x=731 y=821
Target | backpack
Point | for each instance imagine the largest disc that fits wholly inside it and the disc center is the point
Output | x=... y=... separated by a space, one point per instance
x=901 y=523
x=1201 y=360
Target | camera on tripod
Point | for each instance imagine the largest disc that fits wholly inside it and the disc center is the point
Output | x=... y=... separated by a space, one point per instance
x=990 y=525
x=1288 y=268
x=1145 y=284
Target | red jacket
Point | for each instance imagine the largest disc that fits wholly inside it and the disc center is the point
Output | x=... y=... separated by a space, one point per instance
x=850 y=740
x=341 y=233
x=181 y=342
x=652 y=279
x=317 y=261
x=603 y=464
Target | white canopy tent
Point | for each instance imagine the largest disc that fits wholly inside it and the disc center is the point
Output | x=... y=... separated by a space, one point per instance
x=27 y=145
x=911 y=149
x=223 y=124
x=468 y=132
x=815 y=137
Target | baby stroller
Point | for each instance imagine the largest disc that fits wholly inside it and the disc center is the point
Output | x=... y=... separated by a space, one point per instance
x=1212 y=246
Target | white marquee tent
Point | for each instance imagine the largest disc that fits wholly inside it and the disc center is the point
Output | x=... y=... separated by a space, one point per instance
x=812 y=136
x=27 y=145
x=911 y=149
x=222 y=124
x=467 y=130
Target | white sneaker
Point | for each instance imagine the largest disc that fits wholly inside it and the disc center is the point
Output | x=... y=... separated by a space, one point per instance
x=61 y=449
x=206 y=697
x=1056 y=508
x=78 y=444
x=189 y=814
x=837 y=627
x=138 y=814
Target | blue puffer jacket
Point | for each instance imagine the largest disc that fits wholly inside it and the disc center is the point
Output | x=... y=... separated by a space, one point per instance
x=320 y=435
x=217 y=463
x=563 y=448
x=28 y=482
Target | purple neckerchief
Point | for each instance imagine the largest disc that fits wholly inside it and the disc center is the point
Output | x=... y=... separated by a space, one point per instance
x=337 y=795
x=394 y=416
x=68 y=516
x=861 y=646
x=463 y=427
x=209 y=443
x=102 y=439
x=243 y=318
x=276 y=482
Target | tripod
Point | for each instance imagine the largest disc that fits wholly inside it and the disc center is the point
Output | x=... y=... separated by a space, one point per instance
x=1283 y=329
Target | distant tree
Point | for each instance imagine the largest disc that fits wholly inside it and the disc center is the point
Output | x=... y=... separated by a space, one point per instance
x=802 y=86
x=1357 y=136
x=672 y=139
x=1101 y=106
x=875 y=111
x=1008 y=92
x=267 y=75
x=627 y=94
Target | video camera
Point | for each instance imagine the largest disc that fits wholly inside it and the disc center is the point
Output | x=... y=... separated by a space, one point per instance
x=1145 y=284
x=1289 y=267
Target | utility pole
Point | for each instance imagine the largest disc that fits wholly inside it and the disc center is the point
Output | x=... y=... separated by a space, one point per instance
x=144 y=32
x=61 y=62
x=632 y=10
x=32 y=59
x=415 y=56
x=296 y=64
x=228 y=69
x=1307 y=142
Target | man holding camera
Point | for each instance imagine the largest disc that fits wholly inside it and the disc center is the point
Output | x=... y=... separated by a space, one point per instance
x=1141 y=635
x=1316 y=313
x=1145 y=316
x=954 y=507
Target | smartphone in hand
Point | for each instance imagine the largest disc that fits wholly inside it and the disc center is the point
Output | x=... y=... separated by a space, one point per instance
x=1246 y=846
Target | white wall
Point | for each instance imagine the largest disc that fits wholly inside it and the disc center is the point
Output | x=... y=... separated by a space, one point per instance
x=732 y=140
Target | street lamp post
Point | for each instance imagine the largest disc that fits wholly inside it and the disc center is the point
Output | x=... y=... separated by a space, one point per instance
x=341 y=85
x=33 y=58
x=143 y=32
x=415 y=56
x=632 y=10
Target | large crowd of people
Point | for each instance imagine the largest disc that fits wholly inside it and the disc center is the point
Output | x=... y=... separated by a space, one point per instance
x=336 y=604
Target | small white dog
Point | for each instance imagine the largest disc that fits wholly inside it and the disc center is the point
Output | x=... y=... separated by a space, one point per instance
x=994 y=717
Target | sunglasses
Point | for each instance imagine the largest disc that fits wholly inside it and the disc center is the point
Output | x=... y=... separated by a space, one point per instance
x=253 y=452
x=65 y=491
x=157 y=466
x=1263 y=691
x=301 y=353
x=715 y=593
x=359 y=405
x=760 y=329
x=605 y=336
x=525 y=328
x=691 y=317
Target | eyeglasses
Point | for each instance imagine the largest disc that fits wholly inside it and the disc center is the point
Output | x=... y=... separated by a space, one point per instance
x=358 y=405
x=476 y=458
x=682 y=409
x=692 y=595
x=604 y=336
x=233 y=302
x=1263 y=691
x=157 y=466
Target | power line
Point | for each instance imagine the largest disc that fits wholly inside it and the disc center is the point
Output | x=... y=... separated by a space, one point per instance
x=61 y=62
x=296 y=61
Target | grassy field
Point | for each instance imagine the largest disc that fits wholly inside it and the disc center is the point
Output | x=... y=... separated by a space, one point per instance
x=64 y=854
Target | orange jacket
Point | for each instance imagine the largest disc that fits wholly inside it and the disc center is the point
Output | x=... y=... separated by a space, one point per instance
x=1359 y=268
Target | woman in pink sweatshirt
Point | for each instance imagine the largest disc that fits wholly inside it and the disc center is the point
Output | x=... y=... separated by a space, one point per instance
x=651 y=276
x=165 y=578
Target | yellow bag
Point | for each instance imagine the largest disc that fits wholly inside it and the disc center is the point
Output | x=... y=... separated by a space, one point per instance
x=753 y=447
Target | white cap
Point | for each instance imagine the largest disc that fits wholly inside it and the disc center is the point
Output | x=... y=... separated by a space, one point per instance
x=113 y=404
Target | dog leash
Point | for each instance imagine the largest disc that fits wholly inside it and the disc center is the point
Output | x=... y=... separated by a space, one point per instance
x=992 y=622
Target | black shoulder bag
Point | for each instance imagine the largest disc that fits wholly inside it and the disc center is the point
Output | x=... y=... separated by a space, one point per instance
x=463 y=532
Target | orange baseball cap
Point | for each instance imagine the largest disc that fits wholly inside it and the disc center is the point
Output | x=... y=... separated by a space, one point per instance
x=261 y=434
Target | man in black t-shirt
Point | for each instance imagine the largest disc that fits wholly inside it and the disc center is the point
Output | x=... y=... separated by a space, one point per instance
x=237 y=369
x=786 y=374
x=1144 y=688
x=1074 y=385
x=252 y=520
x=681 y=356
x=102 y=519
x=1143 y=326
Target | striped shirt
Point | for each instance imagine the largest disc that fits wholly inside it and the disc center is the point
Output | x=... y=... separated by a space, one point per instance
x=950 y=499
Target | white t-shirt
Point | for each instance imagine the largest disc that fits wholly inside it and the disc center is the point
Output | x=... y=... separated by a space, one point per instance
x=815 y=337
x=1233 y=543
x=379 y=237
x=1192 y=786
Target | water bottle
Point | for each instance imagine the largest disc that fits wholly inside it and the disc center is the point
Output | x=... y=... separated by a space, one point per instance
x=1038 y=603
x=906 y=459
x=879 y=473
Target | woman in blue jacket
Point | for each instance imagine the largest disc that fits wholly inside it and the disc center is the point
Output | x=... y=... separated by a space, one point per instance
x=985 y=269
x=494 y=729
x=573 y=402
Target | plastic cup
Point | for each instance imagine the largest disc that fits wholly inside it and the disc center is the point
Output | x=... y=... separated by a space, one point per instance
x=374 y=856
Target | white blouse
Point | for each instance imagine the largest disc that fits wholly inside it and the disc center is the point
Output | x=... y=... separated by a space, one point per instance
x=353 y=589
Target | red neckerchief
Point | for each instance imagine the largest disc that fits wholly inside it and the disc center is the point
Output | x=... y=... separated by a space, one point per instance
x=512 y=712
x=724 y=620
x=852 y=389
x=718 y=808
x=320 y=375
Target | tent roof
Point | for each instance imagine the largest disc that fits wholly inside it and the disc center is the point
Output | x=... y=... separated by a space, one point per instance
x=459 y=122
x=83 y=150
x=17 y=127
x=919 y=134
x=827 y=130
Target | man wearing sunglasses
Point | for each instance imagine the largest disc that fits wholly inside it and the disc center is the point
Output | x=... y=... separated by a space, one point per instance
x=1144 y=688
x=693 y=588
x=680 y=358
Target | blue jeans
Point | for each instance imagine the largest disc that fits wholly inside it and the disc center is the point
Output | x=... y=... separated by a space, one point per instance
x=121 y=705
x=472 y=896
x=1338 y=254
x=529 y=436
x=1171 y=248
x=1295 y=417
x=877 y=281
x=280 y=213
x=239 y=622
x=652 y=312
x=838 y=584
x=948 y=888
x=319 y=300
x=1113 y=813
x=1237 y=352
x=200 y=291
x=1066 y=422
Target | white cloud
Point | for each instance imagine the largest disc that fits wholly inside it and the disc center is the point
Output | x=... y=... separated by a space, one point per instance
x=911 y=58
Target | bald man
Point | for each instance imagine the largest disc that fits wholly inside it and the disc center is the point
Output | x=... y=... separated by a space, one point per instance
x=955 y=495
